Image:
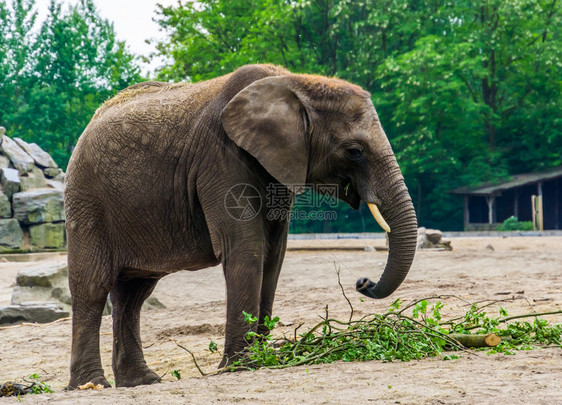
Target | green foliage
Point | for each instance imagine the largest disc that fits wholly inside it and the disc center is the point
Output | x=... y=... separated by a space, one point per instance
x=38 y=386
x=55 y=77
x=176 y=373
x=213 y=347
x=468 y=92
x=513 y=224
x=404 y=333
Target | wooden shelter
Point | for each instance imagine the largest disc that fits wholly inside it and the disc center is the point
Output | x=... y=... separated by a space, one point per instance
x=486 y=206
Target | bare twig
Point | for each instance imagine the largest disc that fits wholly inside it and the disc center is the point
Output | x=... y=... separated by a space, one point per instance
x=194 y=360
x=338 y=269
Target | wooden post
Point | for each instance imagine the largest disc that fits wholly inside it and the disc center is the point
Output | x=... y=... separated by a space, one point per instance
x=556 y=204
x=536 y=202
x=466 y=212
x=490 y=201
x=516 y=204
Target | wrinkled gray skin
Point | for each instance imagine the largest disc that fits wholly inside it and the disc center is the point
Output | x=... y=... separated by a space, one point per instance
x=146 y=189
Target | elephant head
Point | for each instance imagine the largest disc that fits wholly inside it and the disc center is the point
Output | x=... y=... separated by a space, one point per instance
x=317 y=130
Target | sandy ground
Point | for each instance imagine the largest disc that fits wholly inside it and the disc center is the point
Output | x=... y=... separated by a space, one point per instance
x=525 y=270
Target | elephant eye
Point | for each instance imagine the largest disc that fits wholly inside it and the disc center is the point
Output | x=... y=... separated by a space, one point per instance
x=355 y=153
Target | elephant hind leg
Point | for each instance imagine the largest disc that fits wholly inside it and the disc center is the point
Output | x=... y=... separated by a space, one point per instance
x=129 y=366
x=88 y=301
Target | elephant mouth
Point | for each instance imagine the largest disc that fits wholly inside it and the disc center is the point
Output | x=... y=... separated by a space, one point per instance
x=350 y=195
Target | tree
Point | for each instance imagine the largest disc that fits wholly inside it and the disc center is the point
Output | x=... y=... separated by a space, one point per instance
x=68 y=69
x=467 y=91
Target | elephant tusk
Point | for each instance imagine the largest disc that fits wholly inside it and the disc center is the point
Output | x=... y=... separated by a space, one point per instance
x=378 y=217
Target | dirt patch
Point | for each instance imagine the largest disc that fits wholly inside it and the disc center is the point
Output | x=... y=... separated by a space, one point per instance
x=525 y=272
x=177 y=331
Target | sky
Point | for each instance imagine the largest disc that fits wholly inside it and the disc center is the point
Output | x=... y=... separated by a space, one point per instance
x=132 y=21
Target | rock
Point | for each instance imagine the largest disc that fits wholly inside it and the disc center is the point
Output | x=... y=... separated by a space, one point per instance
x=5 y=206
x=50 y=275
x=432 y=239
x=11 y=235
x=10 y=181
x=47 y=235
x=369 y=249
x=490 y=247
x=38 y=206
x=14 y=314
x=422 y=243
x=43 y=285
x=33 y=179
x=59 y=177
x=151 y=303
x=19 y=158
x=51 y=172
x=57 y=185
x=40 y=157
x=434 y=236
x=4 y=161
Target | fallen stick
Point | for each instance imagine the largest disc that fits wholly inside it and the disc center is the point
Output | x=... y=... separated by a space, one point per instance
x=489 y=340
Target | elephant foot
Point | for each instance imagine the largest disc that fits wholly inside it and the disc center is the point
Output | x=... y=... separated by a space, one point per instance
x=136 y=377
x=230 y=360
x=76 y=382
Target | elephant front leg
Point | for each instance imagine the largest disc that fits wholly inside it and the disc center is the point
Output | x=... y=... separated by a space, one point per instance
x=243 y=274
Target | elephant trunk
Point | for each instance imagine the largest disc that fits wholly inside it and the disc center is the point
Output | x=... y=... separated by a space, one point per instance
x=398 y=211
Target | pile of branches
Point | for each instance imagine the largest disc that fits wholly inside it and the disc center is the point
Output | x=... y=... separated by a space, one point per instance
x=404 y=332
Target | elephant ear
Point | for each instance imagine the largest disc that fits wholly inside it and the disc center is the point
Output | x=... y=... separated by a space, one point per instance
x=269 y=121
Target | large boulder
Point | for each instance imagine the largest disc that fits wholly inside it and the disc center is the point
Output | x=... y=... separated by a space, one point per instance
x=5 y=206
x=42 y=295
x=11 y=235
x=10 y=181
x=39 y=206
x=19 y=158
x=43 y=313
x=33 y=179
x=4 y=161
x=40 y=157
x=432 y=239
x=47 y=235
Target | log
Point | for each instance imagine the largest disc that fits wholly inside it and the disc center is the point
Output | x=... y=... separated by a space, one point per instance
x=489 y=340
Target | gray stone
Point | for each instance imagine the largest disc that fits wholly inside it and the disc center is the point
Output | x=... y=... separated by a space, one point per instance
x=5 y=206
x=10 y=181
x=51 y=172
x=19 y=158
x=44 y=313
x=33 y=179
x=40 y=157
x=50 y=275
x=369 y=249
x=434 y=236
x=11 y=235
x=38 y=206
x=59 y=177
x=57 y=185
x=47 y=235
x=151 y=303
x=4 y=161
x=43 y=285
x=422 y=243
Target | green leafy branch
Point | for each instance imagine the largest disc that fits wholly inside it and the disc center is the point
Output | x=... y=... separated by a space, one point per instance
x=404 y=332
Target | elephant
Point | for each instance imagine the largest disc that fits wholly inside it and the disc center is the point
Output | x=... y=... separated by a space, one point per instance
x=147 y=191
